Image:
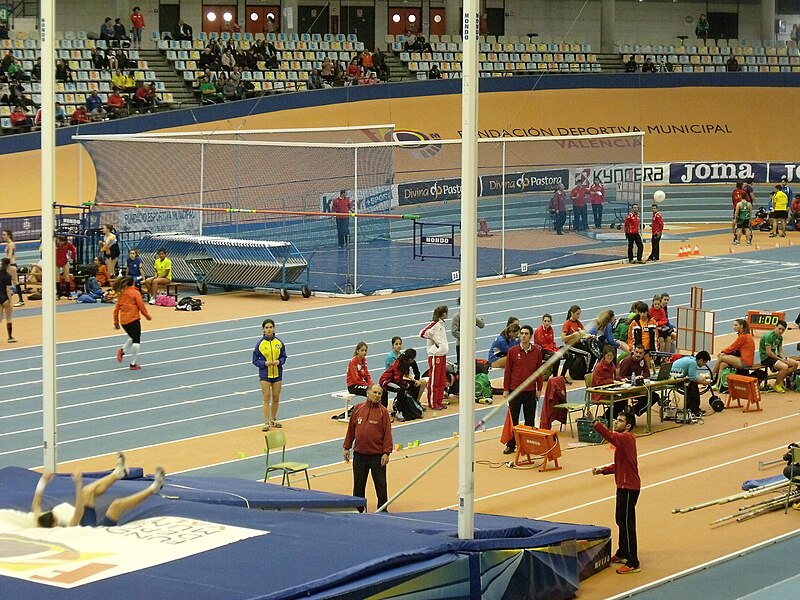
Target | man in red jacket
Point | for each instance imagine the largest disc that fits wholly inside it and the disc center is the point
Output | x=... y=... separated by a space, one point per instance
x=632 y=233
x=656 y=229
x=370 y=428
x=521 y=363
x=578 y=196
x=626 y=474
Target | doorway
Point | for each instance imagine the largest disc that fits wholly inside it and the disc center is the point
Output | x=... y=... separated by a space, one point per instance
x=402 y=19
x=723 y=25
x=218 y=17
x=256 y=18
x=437 y=22
x=168 y=15
x=312 y=19
x=361 y=21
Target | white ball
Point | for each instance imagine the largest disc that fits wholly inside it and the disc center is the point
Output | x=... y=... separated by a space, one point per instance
x=659 y=196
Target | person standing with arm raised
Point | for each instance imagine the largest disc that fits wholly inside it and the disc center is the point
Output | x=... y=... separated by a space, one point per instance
x=625 y=470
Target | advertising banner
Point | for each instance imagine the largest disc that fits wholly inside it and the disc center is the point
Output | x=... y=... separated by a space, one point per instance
x=529 y=181
x=717 y=172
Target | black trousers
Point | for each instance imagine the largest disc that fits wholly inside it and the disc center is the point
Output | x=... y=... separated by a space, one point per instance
x=597 y=212
x=559 y=220
x=579 y=214
x=358 y=390
x=546 y=354
x=342 y=230
x=655 y=250
x=363 y=465
x=692 y=391
x=134 y=331
x=527 y=402
x=634 y=238
x=626 y=521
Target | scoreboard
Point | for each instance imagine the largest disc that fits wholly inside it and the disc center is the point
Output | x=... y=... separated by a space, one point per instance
x=764 y=319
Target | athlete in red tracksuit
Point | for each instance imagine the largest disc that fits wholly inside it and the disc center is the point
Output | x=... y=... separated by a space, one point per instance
x=632 y=233
x=436 y=336
x=626 y=474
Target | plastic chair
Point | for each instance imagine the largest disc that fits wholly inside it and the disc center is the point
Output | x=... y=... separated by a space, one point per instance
x=794 y=480
x=274 y=439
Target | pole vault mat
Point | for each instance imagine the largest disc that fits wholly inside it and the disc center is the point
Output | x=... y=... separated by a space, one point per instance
x=190 y=549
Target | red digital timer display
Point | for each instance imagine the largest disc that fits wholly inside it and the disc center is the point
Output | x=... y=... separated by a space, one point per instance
x=764 y=319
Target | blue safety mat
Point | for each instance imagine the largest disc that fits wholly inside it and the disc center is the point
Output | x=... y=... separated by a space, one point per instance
x=310 y=554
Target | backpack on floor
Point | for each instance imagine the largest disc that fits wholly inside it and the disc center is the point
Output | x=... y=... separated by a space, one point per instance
x=407 y=406
x=723 y=378
x=165 y=300
x=483 y=388
x=92 y=288
x=189 y=303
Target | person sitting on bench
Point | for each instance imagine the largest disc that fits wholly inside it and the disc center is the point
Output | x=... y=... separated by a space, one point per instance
x=770 y=352
x=739 y=355
x=687 y=367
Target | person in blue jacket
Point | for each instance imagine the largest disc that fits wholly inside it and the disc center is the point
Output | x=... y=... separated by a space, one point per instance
x=269 y=356
x=603 y=328
x=507 y=339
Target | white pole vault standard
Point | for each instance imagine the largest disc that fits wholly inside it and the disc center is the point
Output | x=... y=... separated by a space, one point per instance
x=355 y=222
x=47 y=31
x=469 y=259
x=202 y=181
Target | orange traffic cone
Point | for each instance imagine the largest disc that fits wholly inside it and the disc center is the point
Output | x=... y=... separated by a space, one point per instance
x=696 y=250
x=681 y=251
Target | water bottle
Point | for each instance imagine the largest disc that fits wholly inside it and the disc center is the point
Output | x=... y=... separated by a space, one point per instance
x=633 y=379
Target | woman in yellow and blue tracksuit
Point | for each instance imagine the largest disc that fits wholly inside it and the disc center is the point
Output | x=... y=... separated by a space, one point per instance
x=269 y=356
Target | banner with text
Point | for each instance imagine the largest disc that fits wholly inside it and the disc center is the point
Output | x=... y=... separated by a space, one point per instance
x=717 y=172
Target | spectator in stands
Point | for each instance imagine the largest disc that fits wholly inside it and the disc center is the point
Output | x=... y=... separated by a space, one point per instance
x=5 y=61
x=4 y=31
x=410 y=42
x=365 y=60
x=115 y=105
x=208 y=92
x=315 y=80
x=16 y=72
x=231 y=88
x=271 y=55
x=145 y=97
x=228 y=61
x=631 y=66
x=111 y=57
x=36 y=70
x=94 y=106
x=338 y=73
x=118 y=80
x=353 y=72
x=434 y=72
x=137 y=24
x=667 y=66
x=120 y=34
x=79 y=116
x=17 y=95
x=99 y=60
x=122 y=58
x=793 y=36
x=648 y=66
x=251 y=61
x=327 y=71
x=424 y=45
x=483 y=24
x=270 y=24
x=183 y=31
x=701 y=28
x=107 y=30
x=61 y=116
x=129 y=83
x=63 y=72
x=732 y=65
x=368 y=78
x=379 y=61
x=20 y=121
x=208 y=60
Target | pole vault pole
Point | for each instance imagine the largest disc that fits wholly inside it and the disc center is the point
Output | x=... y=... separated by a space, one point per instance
x=47 y=31
x=469 y=259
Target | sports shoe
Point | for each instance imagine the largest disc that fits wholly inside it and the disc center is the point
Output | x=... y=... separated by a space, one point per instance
x=152 y=301
x=135 y=367
x=158 y=480
x=265 y=427
x=616 y=560
x=12 y=340
x=274 y=423
x=20 y=303
x=796 y=506
x=782 y=235
x=120 y=354
x=509 y=450
x=639 y=261
x=779 y=388
x=121 y=470
x=736 y=242
x=749 y=242
x=626 y=570
x=773 y=235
